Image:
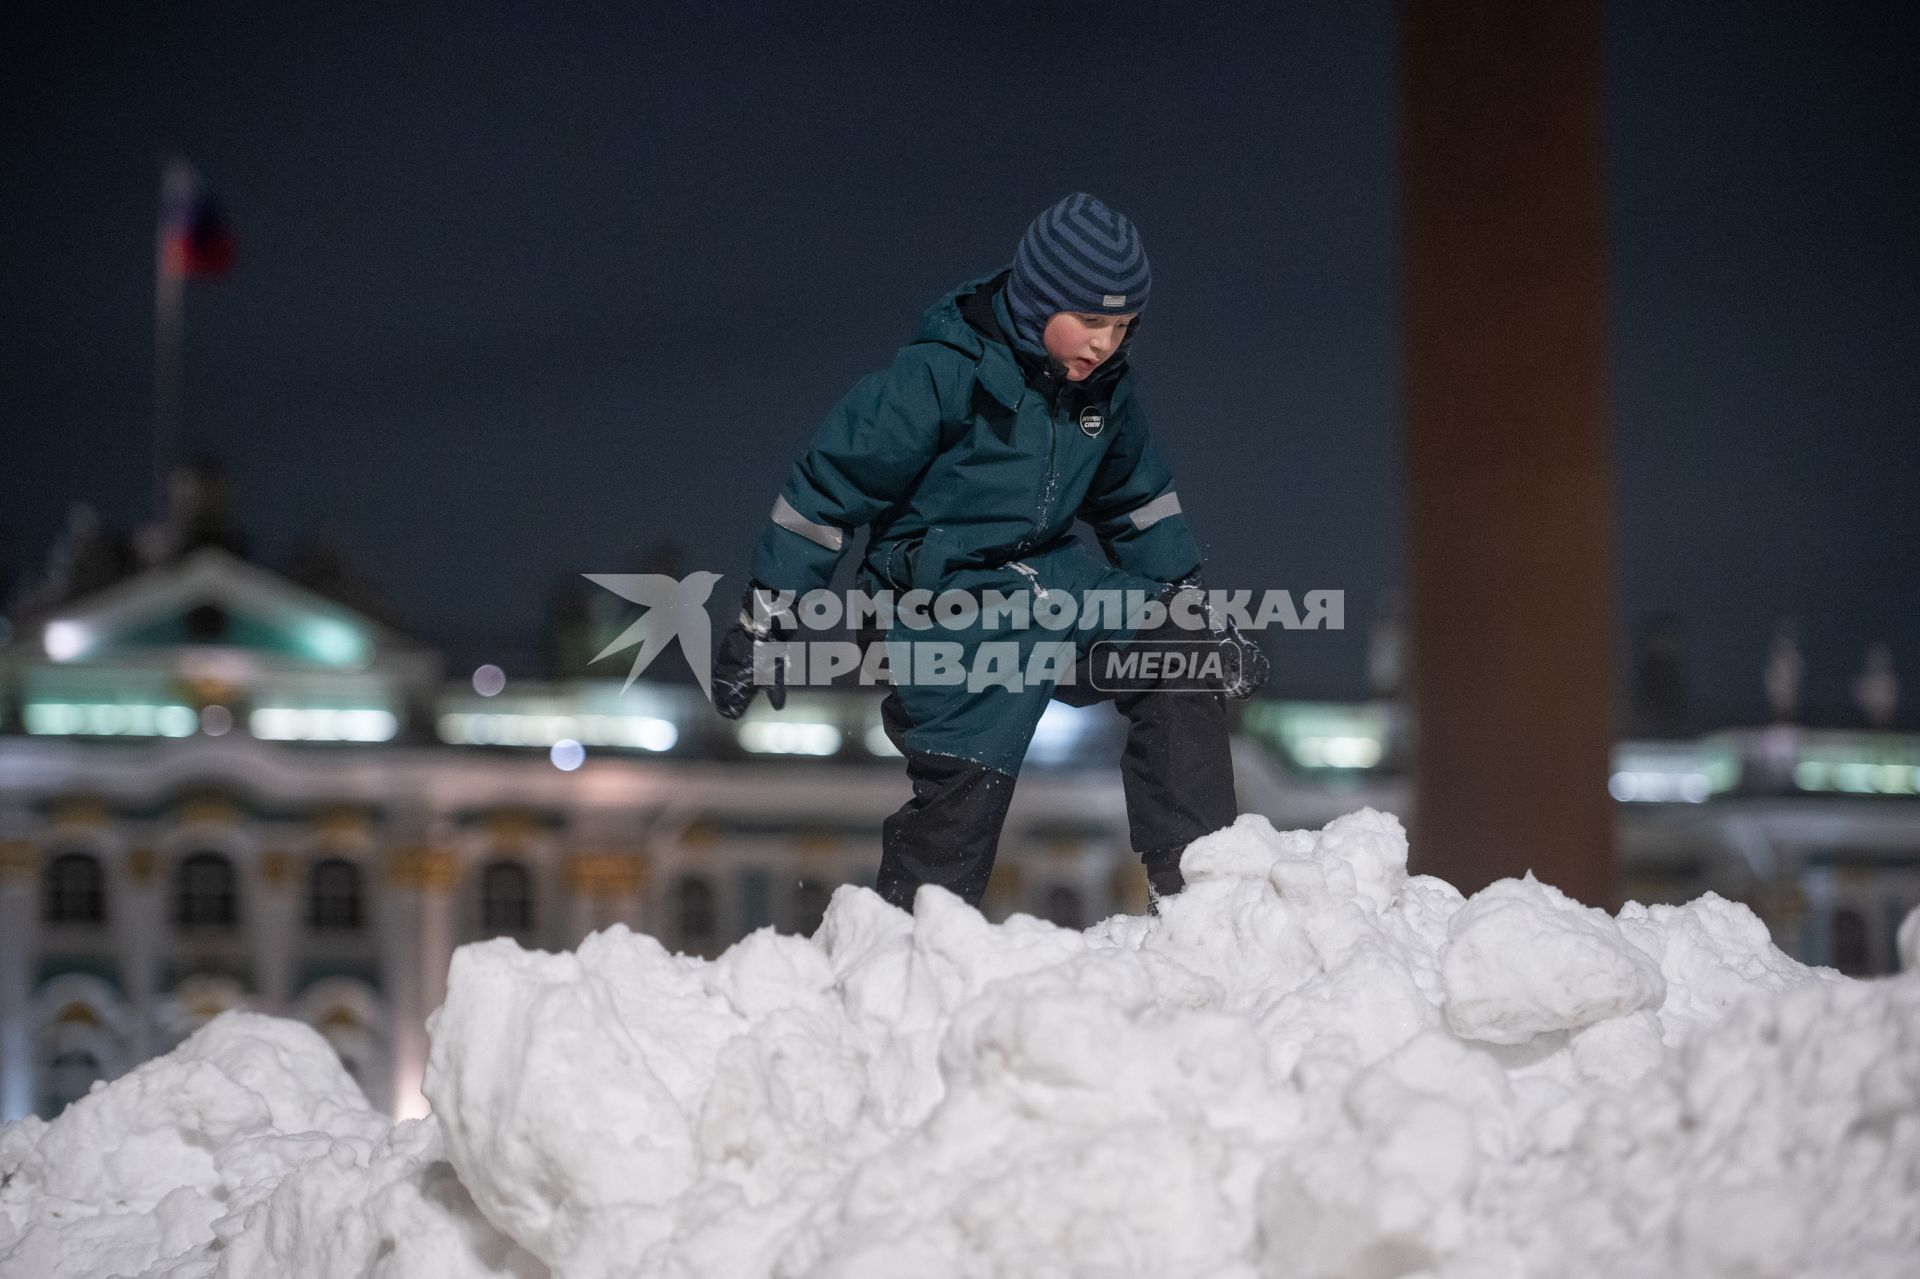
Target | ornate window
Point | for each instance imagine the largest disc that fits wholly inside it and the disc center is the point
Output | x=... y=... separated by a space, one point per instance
x=694 y=911
x=810 y=900
x=76 y=890
x=348 y=1016
x=1852 y=951
x=506 y=898
x=193 y=1003
x=1064 y=907
x=77 y=1041
x=333 y=896
x=206 y=892
x=70 y=1074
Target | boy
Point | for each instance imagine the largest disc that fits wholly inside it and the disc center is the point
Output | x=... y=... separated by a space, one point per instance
x=1010 y=415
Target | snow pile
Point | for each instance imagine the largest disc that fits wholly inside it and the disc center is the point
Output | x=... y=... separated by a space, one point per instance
x=245 y=1151
x=1311 y=1065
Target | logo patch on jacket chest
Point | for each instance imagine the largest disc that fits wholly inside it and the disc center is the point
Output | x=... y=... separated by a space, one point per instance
x=1092 y=421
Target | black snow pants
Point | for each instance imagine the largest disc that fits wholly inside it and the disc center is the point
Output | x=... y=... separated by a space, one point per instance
x=1177 y=774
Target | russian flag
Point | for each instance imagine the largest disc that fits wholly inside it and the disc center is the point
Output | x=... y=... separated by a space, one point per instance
x=194 y=239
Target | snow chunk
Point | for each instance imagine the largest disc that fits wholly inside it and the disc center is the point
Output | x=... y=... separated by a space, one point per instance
x=563 y=1085
x=394 y=1209
x=139 y=1171
x=1713 y=954
x=1522 y=957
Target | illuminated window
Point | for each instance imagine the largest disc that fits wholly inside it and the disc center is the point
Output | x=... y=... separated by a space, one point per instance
x=333 y=895
x=694 y=910
x=206 y=893
x=506 y=898
x=76 y=890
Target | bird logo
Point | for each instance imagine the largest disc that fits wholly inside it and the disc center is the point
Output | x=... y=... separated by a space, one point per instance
x=675 y=607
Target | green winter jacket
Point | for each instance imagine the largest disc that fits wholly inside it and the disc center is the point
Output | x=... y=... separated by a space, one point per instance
x=965 y=455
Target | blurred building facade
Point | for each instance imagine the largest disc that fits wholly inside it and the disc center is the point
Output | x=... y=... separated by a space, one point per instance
x=220 y=788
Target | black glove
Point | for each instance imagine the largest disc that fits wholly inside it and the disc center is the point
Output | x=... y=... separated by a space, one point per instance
x=1246 y=666
x=733 y=686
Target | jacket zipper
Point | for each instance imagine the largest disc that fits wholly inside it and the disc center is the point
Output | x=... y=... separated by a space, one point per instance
x=1048 y=485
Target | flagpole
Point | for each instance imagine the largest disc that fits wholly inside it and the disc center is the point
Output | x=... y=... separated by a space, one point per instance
x=169 y=319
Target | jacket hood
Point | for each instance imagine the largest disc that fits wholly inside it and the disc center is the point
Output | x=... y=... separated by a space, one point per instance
x=942 y=322
x=972 y=319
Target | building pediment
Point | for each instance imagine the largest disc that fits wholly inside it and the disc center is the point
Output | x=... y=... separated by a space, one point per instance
x=212 y=643
x=213 y=600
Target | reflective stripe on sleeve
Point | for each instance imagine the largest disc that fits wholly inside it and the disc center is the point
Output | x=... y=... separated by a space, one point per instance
x=821 y=534
x=1145 y=517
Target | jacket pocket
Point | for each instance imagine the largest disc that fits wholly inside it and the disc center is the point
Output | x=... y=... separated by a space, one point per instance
x=928 y=560
x=899 y=562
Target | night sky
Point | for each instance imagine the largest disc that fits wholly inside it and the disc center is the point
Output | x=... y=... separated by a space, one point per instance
x=519 y=298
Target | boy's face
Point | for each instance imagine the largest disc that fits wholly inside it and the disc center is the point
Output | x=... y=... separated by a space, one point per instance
x=1082 y=342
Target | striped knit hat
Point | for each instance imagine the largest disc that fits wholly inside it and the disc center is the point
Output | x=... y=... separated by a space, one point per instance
x=1077 y=256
